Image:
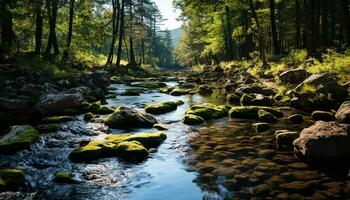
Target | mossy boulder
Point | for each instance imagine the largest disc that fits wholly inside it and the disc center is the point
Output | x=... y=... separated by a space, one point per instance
x=47 y=128
x=255 y=100
x=96 y=108
x=208 y=111
x=285 y=138
x=261 y=127
x=133 y=147
x=163 y=108
x=133 y=92
x=160 y=127
x=296 y=119
x=251 y=112
x=19 y=137
x=180 y=92
x=322 y=115
x=64 y=177
x=266 y=116
x=11 y=179
x=89 y=116
x=205 y=90
x=126 y=118
x=233 y=99
x=166 y=90
x=57 y=119
x=190 y=119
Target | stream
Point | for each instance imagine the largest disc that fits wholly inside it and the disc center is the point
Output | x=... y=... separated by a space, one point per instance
x=221 y=159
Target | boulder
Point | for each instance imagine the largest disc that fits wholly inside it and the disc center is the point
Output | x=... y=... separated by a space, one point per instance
x=266 y=116
x=208 y=111
x=257 y=89
x=261 y=127
x=163 y=108
x=322 y=115
x=324 y=142
x=294 y=76
x=190 y=119
x=233 y=99
x=296 y=119
x=131 y=151
x=126 y=118
x=285 y=139
x=19 y=137
x=205 y=90
x=47 y=128
x=133 y=92
x=98 y=78
x=64 y=177
x=251 y=112
x=343 y=113
x=11 y=180
x=160 y=127
x=180 y=92
x=96 y=108
x=255 y=100
x=52 y=104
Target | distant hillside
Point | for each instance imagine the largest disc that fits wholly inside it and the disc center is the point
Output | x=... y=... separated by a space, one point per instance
x=176 y=36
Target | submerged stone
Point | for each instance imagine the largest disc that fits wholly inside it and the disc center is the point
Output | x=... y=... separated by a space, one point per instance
x=266 y=116
x=285 y=138
x=296 y=119
x=163 y=108
x=47 y=128
x=133 y=92
x=149 y=85
x=64 y=177
x=251 y=112
x=11 y=179
x=322 y=115
x=126 y=118
x=190 y=119
x=57 y=119
x=261 y=127
x=19 y=137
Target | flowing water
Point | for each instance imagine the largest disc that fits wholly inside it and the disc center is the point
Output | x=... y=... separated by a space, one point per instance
x=221 y=159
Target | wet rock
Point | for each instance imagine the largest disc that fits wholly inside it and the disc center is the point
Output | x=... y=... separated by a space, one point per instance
x=131 y=151
x=186 y=85
x=126 y=118
x=65 y=177
x=47 y=128
x=233 y=99
x=267 y=117
x=208 y=111
x=160 y=127
x=96 y=108
x=190 y=119
x=149 y=140
x=262 y=190
x=98 y=78
x=296 y=119
x=294 y=76
x=251 y=112
x=163 y=108
x=149 y=85
x=52 y=104
x=57 y=119
x=11 y=180
x=255 y=89
x=300 y=187
x=322 y=115
x=324 y=142
x=205 y=90
x=19 y=137
x=261 y=127
x=89 y=116
x=343 y=113
x=133 y=92
x=180 y=92
x=285 y=138
x=230 y=86
x=255 y=100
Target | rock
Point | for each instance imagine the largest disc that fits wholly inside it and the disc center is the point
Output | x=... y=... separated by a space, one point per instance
x=322 y=115
x=208 y=111
x=126 y=118
x=64 y=177
x=343 y=113
x=96 y=108
x=131 y=151
x=255 y=89
x=255 y=100
x=89 y=116
x=180 y=92
x=149 y=85
x=160 y=127
x=285 y=138
x=233 y=99
x=205 y=90
x=163 y=108
x=11 y=179
x=324 y=142
x=57 y=119
x=261 y=127
x=133 y=92
x=301 y=187
x=294 y=76
x=190 y=119
x=149 y=140
x=47 y=128
x=230 y=86
x=296 y=119
x=266 y=116
x=52 y=104
x=98 y=78
x=251 y=112
x=186 y=85
x=19 y=137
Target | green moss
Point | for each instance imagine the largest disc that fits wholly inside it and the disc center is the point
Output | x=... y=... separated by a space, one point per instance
x=266 y=116
x=57 y=119
x=163 y=108
x=149 y=140
x=322 y=115
x=131 y=151
x=18 y=138
x=208 y=111
x=261 y=127
x=64 y=177
x=251 y=112
x=11 y=179
x=285 y=138
x=160 y=127
x=88 y=116
x=47 y=128
x=255 y=99
x=233 y=99
x=133 y=92
x=180 y=92
x=296 y=119
x=190 y=119
x=166 y=90
x=97 y=108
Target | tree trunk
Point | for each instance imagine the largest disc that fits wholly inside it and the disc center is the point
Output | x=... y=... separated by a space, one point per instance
x=260 y=34
x=230 y=46
x=297 y=23
x=225 y=39
x=345 y=20
x=325 y=23
x=121 y=33
x=332 y=23
x=276 y=44
x=115 y=24
x=52 y=6
x=310 y=27
x=70 y=30
x=132 y=53
x=38 y=26
x=8 y=37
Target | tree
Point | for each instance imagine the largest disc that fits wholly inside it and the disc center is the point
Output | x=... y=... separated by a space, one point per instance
x=70 y=30
x=121 y=33
x=38 y=26
x=115 y=25
x=8 y=36
x=52 y=7
x=276 y=44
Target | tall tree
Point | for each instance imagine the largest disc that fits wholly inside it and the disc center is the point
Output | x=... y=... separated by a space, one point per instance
x=276 y=44
x=345 y=21
x=70 y=30
x=115 y=25
x=38 y=25
x=121 y=33
x=52 y=7
x=8 y=36
x=131 y=37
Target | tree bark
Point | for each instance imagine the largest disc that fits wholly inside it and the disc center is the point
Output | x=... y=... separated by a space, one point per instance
x=310 y=27
x=38 y=26
x=70 y=30
x=121 y=33
x=230 y=46
x=132 y=53
x=345 y=20
x=297 y=23
x=8 y=36
x=276 y=44
x=325 y=23
x=52 y=6
x=115 y=24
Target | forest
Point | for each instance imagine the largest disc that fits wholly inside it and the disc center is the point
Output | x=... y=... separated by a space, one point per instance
x=174 y=99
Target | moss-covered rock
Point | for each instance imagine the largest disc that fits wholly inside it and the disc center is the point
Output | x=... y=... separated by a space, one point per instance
x=149 y=85
x=233 y=99
x=11 y=179
x=132 y=151
x=88 y=116
x=261 y=127
x=149 y=140
x=323 y=115
x=190 y=119
x=166 y=90
x=266 y=116
x=180 y=92
x=205 y=90
x=64 y=177
x=57 y=119
x=160 y=127
x=126 y=118
x=96 y=108
x=133 y=92
x=296 y=119
x=208 y=111
x=19 y=137
x=164 y=107
x=251 y=112
x=285 y=138
x=255 y=100
x=47 y=128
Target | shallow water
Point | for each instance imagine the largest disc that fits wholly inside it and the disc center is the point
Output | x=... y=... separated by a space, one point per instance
x=222 y=159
